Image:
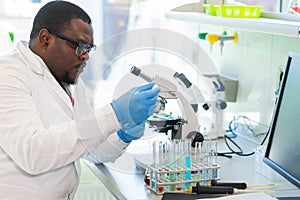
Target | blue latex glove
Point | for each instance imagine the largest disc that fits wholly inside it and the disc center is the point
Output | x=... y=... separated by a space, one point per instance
x=131 y=131
x=137 y=104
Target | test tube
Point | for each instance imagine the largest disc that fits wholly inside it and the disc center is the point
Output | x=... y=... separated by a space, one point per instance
x=157 y=159
x=198 y=159
x=166 y=149
x=213 y=157
x=170 y=154
x=172 y=164
x=163 y=165
x=178 y=150
x=205 y=159
x=198 y=154
x=187 y=152
x=161 y=161
x=156 y=156
x=158 y=165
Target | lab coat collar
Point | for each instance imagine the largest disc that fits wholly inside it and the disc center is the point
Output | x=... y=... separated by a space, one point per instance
x=37 y=65
x=33 y=61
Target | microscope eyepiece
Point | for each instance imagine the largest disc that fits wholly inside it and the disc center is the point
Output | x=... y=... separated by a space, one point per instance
x=136 y=71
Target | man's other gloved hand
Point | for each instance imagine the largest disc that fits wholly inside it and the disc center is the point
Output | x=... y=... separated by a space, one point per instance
x=137 y=104
x=131 y=131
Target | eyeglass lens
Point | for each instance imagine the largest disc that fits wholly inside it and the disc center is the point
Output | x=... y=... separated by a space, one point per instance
x=83 y=48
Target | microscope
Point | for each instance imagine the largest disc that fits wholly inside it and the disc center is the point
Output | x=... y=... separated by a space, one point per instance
x=175 y=161
x=188 y=97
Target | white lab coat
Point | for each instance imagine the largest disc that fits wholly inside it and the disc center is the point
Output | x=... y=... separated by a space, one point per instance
x=42 y=136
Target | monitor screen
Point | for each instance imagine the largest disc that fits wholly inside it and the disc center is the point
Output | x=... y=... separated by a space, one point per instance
x=283 y=149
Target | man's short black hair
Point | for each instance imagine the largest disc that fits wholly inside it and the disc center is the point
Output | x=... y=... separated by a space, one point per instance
x=56 y=15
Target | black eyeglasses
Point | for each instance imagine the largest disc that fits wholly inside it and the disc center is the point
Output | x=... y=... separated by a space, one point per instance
x=81 y=47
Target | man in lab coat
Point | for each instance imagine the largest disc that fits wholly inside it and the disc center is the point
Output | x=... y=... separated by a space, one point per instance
x=46 y=125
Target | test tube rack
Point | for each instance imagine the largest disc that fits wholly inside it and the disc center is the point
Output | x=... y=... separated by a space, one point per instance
x=166 y=180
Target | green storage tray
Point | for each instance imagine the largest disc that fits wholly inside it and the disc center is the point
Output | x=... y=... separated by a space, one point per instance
x=210 y=9
x=233 y=11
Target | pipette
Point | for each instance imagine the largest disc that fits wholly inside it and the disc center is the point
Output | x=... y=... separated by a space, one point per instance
x=199 y=189
x=238 y=185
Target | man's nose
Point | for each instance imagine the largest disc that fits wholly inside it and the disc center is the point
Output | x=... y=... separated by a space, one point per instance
x=84 y=56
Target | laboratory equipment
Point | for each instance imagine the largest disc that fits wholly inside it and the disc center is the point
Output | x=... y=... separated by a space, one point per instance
x=200 y=189
x=181 y=126
x=175 y=165
x=185 y=167
x=282 y=153
x=188 y=96
x=216 y=104
x=214 y=38
x=239 y=185
x=180 y=169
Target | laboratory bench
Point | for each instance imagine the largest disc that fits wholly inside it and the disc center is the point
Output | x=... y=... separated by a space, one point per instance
x=125 y=180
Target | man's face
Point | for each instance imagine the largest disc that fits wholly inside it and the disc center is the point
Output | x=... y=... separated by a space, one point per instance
x=62 y=60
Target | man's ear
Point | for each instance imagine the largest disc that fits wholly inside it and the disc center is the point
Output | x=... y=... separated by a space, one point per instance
x=44 y=38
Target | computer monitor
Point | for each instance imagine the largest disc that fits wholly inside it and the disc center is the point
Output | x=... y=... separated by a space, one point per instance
x=283 y=149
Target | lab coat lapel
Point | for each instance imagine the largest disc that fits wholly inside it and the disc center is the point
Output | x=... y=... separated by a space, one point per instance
x=39 y=68
x=78 y=168
x=37 y=65
x=59 y=94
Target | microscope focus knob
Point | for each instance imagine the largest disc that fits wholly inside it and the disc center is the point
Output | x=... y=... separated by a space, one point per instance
x=221 y=104
x=196 y=137
x=205 y=106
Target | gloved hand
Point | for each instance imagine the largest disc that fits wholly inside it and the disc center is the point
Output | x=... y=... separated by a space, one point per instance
x=137 y=104
x=131 y=131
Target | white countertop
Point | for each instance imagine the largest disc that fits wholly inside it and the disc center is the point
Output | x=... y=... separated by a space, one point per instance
x=126 y=181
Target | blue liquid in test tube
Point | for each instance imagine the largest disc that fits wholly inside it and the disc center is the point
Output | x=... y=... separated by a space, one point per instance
x=187 y=148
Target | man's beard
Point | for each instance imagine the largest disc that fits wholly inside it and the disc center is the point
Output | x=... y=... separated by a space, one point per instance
x=66 y=79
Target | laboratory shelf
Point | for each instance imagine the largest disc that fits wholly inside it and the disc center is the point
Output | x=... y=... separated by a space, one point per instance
x=269 y=23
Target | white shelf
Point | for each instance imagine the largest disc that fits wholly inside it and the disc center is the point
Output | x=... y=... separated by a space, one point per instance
x=280 y=24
